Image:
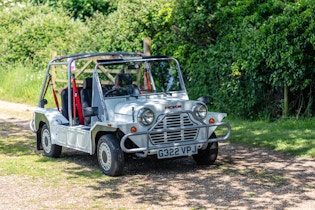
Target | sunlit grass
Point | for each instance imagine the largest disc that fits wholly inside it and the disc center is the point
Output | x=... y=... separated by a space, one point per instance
x=295 y=137
x=22 y=84
x=18 y=156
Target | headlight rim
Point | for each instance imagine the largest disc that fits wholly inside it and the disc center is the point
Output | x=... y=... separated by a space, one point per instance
x=142 y=114
x=197 y=108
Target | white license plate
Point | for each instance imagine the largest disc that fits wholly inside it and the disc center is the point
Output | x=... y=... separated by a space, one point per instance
x=177 y=151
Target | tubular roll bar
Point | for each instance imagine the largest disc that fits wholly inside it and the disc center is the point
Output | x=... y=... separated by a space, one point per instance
x=59 y=60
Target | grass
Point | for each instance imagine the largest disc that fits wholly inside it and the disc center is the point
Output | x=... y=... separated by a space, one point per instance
x=22 y=84
x=18 y=156
x=294 y=137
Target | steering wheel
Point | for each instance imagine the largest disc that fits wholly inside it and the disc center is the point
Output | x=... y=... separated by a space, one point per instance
x=118 y=90
x=109 y=92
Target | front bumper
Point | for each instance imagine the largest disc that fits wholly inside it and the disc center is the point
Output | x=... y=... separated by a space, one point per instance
x=149 y=147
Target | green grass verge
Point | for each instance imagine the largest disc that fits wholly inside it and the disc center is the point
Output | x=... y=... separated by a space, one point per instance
x=21 y=84
x=294 y=137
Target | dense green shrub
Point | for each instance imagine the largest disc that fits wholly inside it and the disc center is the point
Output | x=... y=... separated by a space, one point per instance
x=81 y=9
x=125 y=29
x=30 y=34
x=247 y=51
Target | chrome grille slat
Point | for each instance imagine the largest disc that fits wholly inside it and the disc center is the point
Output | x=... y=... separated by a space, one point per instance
x=180 y=120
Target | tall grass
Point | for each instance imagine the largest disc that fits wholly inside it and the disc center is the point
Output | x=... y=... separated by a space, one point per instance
x=21 y=84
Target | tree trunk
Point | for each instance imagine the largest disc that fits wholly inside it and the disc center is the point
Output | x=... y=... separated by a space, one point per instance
x=147 y=46
x=285 y=110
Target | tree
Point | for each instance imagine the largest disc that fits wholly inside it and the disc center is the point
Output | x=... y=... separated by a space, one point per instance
x=284 y=57
x=125 y=28
x=252 y=49
x=81 y=9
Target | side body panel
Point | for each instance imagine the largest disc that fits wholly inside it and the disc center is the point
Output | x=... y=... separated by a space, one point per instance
x=74 y=137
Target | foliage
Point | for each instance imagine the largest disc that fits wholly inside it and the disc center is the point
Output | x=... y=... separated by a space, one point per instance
x=30 y=34
x=21 y=84
x=125 y=29
x=281 y=52
x=241 y=53
x=252 y=49
x=81 y=9
x=199 y=30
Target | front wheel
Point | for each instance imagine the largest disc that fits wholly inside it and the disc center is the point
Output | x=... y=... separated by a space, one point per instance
x=50 y=150
x=110 y=156
x=208 y=155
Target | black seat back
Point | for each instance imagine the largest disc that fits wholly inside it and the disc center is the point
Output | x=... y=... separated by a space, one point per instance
x=123 y=79
x=86 y=97
x=64 y=101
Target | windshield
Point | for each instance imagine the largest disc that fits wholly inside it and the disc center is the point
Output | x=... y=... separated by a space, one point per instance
x=165 y=76
x=140 y=77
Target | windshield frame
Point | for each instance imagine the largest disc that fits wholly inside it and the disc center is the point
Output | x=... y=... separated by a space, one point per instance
x=144 y=60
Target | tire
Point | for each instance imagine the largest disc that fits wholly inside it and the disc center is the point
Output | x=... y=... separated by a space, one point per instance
x=208 y=155
x=110 y=157
x=50 y=150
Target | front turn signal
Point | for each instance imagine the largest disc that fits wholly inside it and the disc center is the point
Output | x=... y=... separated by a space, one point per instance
x=211 y=121
x=133 y=129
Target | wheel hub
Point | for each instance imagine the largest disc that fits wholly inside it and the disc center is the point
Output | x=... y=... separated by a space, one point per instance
x=105 y=156
x=46 y=141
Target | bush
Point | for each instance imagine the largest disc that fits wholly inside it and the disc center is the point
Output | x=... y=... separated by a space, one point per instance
x=125 y=28
x=30 y=34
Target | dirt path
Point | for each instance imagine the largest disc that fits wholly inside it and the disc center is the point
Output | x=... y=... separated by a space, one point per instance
x=14 y=111
x=243 y=178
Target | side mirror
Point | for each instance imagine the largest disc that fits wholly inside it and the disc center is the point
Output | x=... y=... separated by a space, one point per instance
x=204 y=99
x=90 y=111
x=43 y=102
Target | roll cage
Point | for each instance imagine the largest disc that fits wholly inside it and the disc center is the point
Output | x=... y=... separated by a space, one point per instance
x=64 y=72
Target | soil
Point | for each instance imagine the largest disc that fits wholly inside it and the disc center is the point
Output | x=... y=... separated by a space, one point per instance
x=242 y=178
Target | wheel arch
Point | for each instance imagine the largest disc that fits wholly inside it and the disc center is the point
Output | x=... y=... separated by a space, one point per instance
x=99 y=131
x=40 y=121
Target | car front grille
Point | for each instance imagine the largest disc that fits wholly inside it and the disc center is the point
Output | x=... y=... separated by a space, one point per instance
x=174 y=121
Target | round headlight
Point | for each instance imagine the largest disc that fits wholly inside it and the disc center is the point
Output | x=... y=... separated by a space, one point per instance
x=145 y=116
x=200 y=111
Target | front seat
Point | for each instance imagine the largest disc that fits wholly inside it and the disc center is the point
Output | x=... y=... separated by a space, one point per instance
x=86 y=97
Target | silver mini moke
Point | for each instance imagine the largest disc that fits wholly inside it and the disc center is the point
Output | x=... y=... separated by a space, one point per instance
x=119 y=104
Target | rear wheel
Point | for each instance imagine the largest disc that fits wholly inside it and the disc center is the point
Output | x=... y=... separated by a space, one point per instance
x=50 y=150
x=110 y=156
x=208 y=155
